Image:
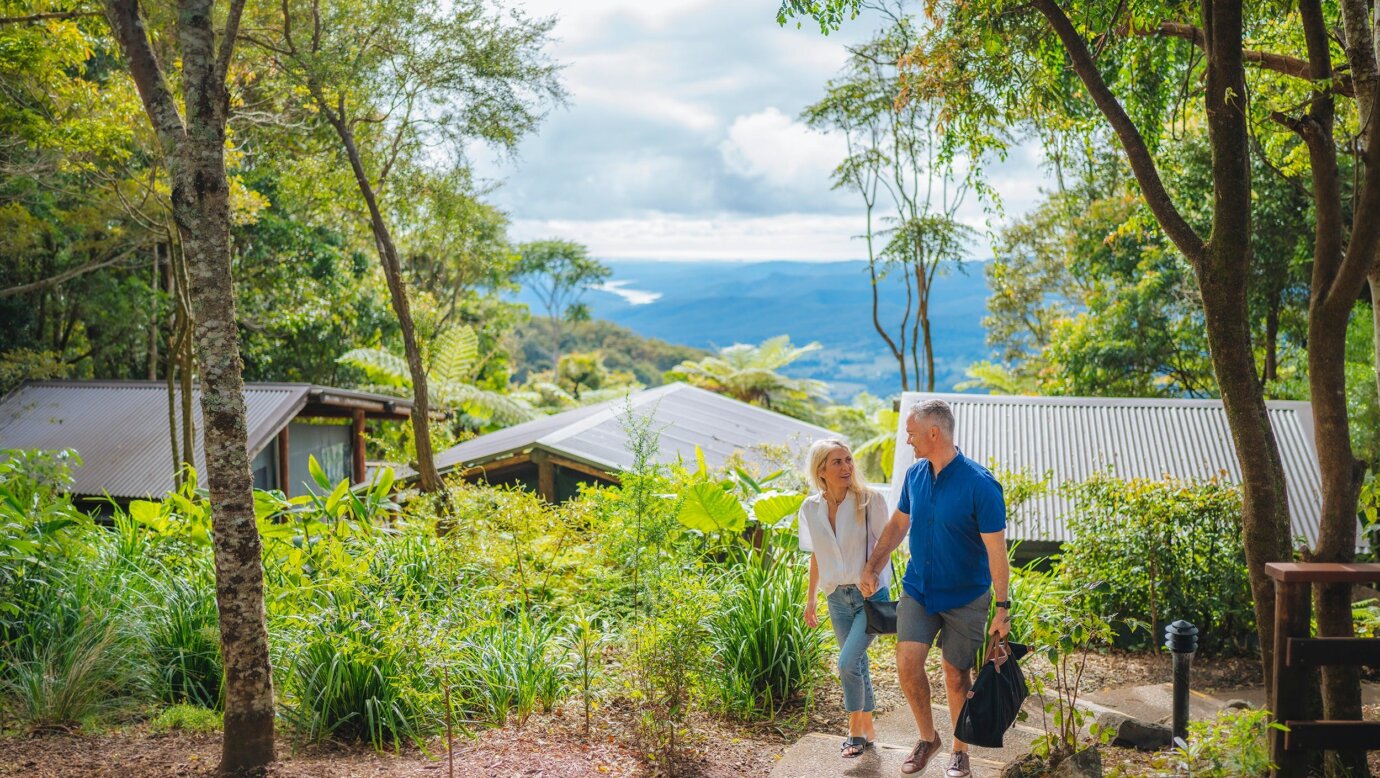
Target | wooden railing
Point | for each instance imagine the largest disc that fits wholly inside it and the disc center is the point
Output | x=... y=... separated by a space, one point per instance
x=1296 y=651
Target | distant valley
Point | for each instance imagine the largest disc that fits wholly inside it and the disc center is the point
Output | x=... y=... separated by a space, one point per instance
x=716 y=304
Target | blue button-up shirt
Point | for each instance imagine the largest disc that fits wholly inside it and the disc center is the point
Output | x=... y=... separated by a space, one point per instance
x=948 y=514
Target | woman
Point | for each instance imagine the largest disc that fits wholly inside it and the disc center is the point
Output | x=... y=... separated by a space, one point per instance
x=839 y=525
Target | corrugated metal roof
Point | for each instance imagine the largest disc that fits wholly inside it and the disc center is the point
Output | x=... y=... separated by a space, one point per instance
x=684 y=416
x=120 y=428
x=1074 y=437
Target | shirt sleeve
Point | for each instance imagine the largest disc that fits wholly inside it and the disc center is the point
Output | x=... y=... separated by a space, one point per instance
x=803 y=528
x=990 y=505
x=903 y=504
x=876 y=518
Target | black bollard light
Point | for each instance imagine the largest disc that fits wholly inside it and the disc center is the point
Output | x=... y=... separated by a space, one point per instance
x=1182 y=639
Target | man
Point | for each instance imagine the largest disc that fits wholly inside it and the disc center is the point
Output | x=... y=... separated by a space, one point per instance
x=956 y=516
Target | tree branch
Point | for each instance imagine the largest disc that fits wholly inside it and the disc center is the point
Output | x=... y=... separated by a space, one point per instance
x=128 y=27
x=1142 y=164
x=64 y=276
x=44 y=17
x=1279 y=63
x=227 y=41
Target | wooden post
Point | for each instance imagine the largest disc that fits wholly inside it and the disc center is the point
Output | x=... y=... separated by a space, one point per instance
x=357 y=474
x=546 y=476
x=1292 y=611
x=284 y=470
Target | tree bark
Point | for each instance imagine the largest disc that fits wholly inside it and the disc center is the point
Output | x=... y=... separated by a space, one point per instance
x=195 y=152
x=1221 y=265
x=1271 y=372
x=428 y=479
x=1338 y=275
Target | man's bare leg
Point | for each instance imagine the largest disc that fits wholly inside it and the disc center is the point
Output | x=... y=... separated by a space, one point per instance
x=957 y=683
x=915 y=684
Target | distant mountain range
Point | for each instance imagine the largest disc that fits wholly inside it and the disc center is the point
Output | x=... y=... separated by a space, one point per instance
x=716 y=304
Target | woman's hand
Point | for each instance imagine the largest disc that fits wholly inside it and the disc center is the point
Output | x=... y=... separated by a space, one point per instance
x=811 y=615
x=869 y=582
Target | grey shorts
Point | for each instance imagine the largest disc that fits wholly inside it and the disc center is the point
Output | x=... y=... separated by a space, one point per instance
x=962 y=630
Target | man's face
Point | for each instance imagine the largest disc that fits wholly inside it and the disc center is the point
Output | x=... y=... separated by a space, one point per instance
x=923 y=437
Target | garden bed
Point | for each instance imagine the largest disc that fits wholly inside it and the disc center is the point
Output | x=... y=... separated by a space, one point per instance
x=554 y=745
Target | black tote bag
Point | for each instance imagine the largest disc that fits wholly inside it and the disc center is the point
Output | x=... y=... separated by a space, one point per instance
x=995 y=699
x=881 y=614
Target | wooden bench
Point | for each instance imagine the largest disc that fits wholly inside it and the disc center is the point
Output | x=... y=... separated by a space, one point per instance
x=1296 y=651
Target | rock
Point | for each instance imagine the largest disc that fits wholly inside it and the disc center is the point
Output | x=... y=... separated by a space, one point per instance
x=1236 y=705
x=1134 y=733
x=1028 y=766
x=1084 y=764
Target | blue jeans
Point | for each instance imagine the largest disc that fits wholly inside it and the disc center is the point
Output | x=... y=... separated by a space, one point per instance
x=850 y=628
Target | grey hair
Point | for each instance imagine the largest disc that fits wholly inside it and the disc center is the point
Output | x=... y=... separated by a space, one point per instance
x=936 y=411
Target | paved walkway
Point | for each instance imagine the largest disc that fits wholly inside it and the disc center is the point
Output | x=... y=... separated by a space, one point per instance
x=817 y=754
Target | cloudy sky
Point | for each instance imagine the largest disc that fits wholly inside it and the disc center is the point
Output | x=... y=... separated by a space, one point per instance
x=681 y=139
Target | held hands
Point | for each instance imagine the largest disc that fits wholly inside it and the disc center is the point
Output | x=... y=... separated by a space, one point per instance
x=867 y=582
x=811 y=615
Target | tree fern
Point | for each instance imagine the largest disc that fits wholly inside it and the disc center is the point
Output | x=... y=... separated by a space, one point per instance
x=381 y=367
x=453 y=355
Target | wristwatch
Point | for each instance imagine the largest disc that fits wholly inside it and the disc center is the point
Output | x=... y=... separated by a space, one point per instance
x=1003 y=604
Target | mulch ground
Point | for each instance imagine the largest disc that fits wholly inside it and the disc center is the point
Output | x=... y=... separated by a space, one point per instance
x=554 y=746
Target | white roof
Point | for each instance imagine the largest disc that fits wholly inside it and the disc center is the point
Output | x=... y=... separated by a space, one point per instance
x=684 y=417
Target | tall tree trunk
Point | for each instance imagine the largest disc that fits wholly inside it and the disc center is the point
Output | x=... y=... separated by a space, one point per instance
x=428 y=479
x=1265 y=528
x=1339 y=272
x=556 y=333
x=1271 y=372
x=877 y=322
x=1221 y=265
x=195 y=153
x=152 y=373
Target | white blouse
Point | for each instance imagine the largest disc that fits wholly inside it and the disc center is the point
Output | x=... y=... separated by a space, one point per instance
x=839 y=554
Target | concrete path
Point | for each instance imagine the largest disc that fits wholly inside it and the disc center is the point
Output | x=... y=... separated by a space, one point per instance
x=817 y=754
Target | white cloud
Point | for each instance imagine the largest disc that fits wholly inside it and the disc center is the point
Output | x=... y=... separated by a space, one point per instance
x=772 y=146
x=722 y=237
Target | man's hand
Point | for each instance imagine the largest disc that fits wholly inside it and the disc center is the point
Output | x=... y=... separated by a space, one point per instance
x=1001 y=623
x=811 y=615
x=868 y=582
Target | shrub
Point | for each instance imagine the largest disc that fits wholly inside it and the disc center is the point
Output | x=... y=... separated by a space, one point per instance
x=183 y=632
x=187 y=718
x=669 y=654
x=347 y=683
x=1234 y=743
x=1160 y=551
x=585 y=639
x=74 y=675
x=512 y=666
x=763 y=652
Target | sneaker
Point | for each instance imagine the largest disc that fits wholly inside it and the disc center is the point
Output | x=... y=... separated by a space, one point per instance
x=958 y=766
x=920 y=755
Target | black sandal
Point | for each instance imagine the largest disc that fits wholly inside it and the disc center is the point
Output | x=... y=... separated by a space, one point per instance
x=853 y=746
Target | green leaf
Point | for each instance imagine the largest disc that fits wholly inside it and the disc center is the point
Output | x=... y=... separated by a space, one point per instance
x=708 y=508
x=317 y=474
x=773 y=507
x=453 y=354
x=701 y=468
x=341 y=490
x=146 y=512
x=383 y=482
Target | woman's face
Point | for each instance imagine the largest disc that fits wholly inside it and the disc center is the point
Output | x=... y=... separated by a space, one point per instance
x=838 y=468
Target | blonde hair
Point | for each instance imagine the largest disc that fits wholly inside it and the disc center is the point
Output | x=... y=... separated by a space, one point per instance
x=819 y=457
